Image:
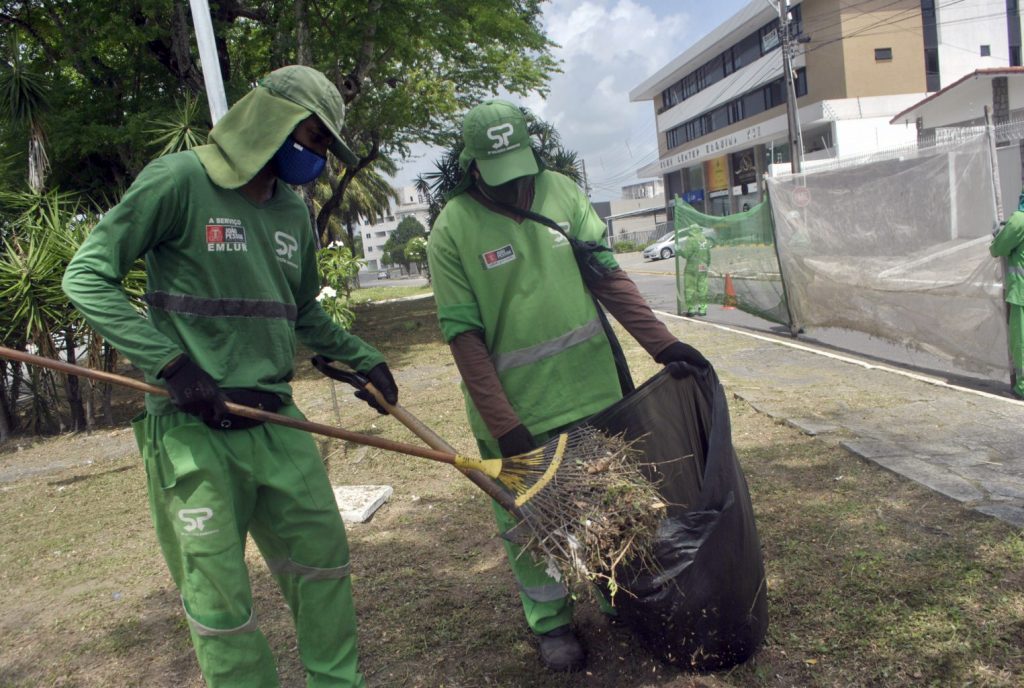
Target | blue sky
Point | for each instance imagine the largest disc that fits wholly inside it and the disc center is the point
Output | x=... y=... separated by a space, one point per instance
x=607 y=48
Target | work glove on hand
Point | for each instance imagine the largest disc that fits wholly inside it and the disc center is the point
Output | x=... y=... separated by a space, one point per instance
x=682 y=360
x=193 y=391
x=516 y=441
x=380 y=376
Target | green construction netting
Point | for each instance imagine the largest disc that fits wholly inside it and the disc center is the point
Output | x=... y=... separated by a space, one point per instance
x=743 y=261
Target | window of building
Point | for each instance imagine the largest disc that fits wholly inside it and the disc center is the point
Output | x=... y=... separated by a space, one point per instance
x=749 y=49
x=749 y=104
x=883 y=54
x=986 y=50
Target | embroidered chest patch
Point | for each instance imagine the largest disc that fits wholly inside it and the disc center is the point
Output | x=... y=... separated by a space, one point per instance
x=498 y=256
x=224 y=236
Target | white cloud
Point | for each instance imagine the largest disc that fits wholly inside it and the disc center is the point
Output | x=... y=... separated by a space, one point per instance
x=607 y=48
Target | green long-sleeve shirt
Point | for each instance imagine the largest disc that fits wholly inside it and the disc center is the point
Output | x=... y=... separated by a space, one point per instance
x=1009 y=244
x=230 y=283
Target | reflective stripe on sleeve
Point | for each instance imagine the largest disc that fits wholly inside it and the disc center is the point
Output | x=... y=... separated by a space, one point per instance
x=221 y=308
x=292 y=568
x=1015 y=270
x=537 y=352
x=545 y=593
x=201 y=629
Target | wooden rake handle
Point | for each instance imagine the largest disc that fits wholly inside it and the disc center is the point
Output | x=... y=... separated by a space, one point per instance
x=420 y=429
x=444 y=456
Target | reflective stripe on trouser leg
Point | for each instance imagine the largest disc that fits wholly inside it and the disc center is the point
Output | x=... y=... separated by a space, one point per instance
x=199 y=507
x=545 y=610
x=299 y=531
x=1016 y=326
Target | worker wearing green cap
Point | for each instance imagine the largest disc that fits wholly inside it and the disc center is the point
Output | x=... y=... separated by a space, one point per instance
x=523 y=326
x=1009 y=244
x=232 y=283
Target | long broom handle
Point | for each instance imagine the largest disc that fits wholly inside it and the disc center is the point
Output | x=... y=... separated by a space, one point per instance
x=420 y=429
x=435 y=441
x=449 y=457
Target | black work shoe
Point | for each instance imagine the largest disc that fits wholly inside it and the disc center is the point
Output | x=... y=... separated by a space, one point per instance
x=560 y=650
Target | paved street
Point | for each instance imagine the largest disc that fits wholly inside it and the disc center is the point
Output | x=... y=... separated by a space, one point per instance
x=964 y=441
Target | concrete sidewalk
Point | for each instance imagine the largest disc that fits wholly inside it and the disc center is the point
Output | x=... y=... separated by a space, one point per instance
x=965 y=444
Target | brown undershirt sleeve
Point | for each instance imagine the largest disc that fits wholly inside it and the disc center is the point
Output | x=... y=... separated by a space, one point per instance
x=481 y=378
x=618 y=293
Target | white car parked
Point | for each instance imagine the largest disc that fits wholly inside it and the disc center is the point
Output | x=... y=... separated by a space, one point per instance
x=663 y=248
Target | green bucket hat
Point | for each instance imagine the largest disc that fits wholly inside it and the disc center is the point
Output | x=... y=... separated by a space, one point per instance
x=248 y=135
x=495 y=136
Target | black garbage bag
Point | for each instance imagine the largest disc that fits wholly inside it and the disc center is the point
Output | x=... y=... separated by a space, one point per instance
x=703 y=604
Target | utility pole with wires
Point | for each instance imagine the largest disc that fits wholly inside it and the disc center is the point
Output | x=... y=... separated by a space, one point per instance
x=586 y=185
x=796 y=143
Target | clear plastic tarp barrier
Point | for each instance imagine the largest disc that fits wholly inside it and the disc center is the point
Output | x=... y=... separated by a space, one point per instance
x=744 y=269
x=898 y=249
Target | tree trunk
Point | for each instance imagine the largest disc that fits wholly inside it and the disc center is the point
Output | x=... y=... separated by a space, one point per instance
x=5 y=405
x=78 y=422
x=109 y=361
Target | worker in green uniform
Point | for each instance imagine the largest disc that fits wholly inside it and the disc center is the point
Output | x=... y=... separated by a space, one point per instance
x=696 y=250
x=523 y=326
x=1009 y=243
x=232 y=282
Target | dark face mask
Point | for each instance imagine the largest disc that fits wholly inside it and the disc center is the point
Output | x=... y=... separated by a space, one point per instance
x=296 y=164
x=507 y=193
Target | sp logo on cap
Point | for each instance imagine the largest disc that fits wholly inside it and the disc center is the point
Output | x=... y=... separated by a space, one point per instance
x=500 y=134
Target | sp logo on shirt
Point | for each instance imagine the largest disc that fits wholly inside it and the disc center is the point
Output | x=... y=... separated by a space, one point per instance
x=499 y=256
x=286 y=246
x=195 y=520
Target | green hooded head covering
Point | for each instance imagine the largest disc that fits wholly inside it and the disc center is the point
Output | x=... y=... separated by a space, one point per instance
x=247 y=136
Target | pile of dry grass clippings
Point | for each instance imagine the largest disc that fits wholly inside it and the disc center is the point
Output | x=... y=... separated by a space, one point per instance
x=597 y=512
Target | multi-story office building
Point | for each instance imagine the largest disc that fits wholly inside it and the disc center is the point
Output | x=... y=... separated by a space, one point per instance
x=410 y=202
x=720 y=106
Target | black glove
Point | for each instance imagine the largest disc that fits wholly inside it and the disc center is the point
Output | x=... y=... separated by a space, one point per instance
x=380 y=376
x=682 y=360
x=516 y=441
x=193 y=391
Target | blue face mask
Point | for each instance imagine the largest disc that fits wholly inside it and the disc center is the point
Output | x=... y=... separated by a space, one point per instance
x=296 y=164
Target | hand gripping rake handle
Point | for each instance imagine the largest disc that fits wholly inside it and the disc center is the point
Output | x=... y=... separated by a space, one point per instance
x=419 y=428
x=491 y=467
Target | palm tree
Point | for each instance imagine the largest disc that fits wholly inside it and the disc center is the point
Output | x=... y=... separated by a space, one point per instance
x=23 y=100
x=368 y=197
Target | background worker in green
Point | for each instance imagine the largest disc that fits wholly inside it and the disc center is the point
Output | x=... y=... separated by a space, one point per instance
x=232 y=281
x=523 y=327
x=696 y=250
x=1009 y=244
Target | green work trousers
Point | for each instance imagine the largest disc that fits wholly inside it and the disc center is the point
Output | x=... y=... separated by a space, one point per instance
x=1016 y=326
x=695 y=287
x=207 y=489
x=547 y=603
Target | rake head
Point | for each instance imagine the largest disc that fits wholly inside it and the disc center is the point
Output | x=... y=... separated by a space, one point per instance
x=586 y=504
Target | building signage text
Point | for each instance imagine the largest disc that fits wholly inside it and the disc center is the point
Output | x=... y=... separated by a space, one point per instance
x=711 y=147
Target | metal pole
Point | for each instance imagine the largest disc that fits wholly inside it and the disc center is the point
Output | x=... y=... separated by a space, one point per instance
x=208 y=59
x=796 y=144
x=997 y=196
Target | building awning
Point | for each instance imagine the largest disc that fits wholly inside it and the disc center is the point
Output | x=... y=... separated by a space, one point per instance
x=964 y=100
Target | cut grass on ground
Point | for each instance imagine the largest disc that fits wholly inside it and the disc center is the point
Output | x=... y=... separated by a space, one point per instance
x=872 y=580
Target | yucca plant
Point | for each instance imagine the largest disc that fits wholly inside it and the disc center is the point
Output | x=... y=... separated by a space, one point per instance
x=184 y=131
x=23 y=102
x=40 y=234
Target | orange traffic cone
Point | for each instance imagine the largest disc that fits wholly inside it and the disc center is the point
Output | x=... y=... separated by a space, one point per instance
x=730 y=294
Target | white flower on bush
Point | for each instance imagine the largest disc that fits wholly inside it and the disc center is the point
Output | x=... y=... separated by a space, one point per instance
x=328 y=292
